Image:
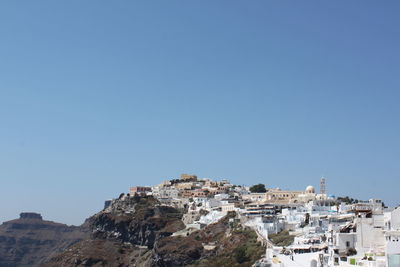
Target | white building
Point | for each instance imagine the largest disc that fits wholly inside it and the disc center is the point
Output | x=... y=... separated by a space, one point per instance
x=225 y=207
x=346 y=238
x=207 y=203
x=254 y=197
x=392 y=248
x=370 y=234
x=392 y=219
x=165 y=192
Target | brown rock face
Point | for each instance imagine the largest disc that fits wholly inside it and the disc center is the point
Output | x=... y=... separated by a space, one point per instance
x=136 y=220
x=29 y=240
x=97 y=252
x=137 y=232
x=131 y=231
x=123 y=234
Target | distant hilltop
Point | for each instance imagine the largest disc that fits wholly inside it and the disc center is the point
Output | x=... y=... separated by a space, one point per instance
x=30 y=215
x=29 y=240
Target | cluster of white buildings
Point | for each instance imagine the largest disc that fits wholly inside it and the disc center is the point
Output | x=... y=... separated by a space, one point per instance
x=326 y=231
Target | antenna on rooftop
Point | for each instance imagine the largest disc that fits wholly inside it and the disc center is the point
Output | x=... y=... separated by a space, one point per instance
x=322 y=186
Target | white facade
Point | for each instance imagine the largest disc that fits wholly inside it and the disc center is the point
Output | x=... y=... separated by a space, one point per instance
x=344 y=241
x=228 y=207
x=395 y=219
x=254 y=197
x=165 y=192
x=393 y=248
x=208 y=203
x=369 y=236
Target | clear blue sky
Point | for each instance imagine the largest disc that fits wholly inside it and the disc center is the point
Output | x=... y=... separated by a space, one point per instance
x=97 y=96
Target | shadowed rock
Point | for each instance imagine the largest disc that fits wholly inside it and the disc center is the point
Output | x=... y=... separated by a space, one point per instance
x=30 y=240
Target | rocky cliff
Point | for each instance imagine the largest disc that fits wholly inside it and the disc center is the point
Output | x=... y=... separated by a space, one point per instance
x=130 y=231
x=136 y=220
x=137 y=231
x=123 y=234
x=30 y=240
x=225 y=244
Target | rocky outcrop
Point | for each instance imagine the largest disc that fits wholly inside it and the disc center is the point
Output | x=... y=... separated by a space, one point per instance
x=123 y=234
x=136 y=220
x=136 y=231
x=130 y=231
x=30 y=240
x=182 y=251
x=30 y=215
x=99 y=252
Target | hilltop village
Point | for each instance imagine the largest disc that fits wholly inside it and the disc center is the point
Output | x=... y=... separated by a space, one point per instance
x=298 y=228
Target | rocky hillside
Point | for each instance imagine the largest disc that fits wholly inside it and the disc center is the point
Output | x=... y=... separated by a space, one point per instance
x=136 y=220
x=30 y=240
x=225 y=243
x=123 y=234
x=138 y=231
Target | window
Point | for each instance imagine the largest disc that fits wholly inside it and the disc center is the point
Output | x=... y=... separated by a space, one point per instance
x=393 y=260
x=347 y=244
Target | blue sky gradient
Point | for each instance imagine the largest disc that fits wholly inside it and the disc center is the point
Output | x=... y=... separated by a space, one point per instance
x=97 y=96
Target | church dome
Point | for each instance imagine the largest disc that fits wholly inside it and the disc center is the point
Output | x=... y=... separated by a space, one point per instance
x=310 y=189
